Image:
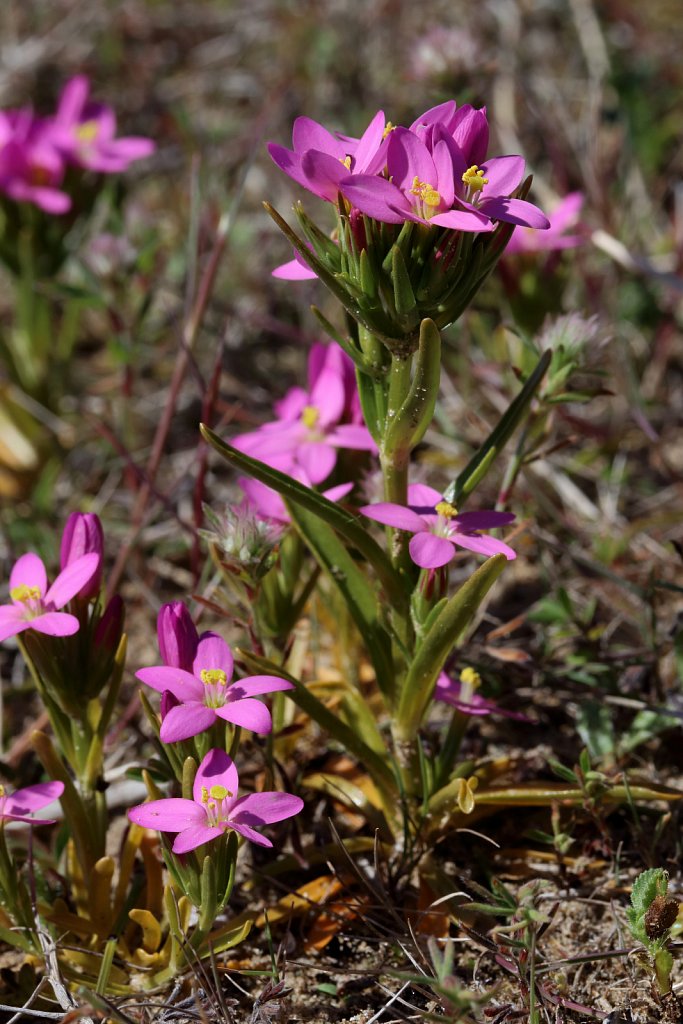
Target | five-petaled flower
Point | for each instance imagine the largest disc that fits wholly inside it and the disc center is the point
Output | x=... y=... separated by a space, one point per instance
x=438 y=529
x=22 y=803
x=313 y=424
x=35 y=605
x=215 y=808
x=206 y=693
x=461 y=694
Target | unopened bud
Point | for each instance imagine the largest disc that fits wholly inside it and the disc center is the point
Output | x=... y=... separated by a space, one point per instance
x=83 y=535
x=177 y=635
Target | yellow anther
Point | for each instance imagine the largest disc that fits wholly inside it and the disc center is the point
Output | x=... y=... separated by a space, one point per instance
x=426 y=192
x=205 y=795
x=388 y=130
x=213 y=677
x=445 y=509
x=24 y=593
x=88 y=131
x=219 y=792
x=2 y=790
x=310 y=416
x=474 y=178
x=346 y=161
x=470 y=677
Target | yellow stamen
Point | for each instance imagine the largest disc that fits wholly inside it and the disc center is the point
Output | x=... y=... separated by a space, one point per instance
x=205 y=795
x=213 y=676
x=2 y=790
x=219 y=792
x=388 y=130
x=346 y=161
x=444 y=508
x=25 y=593
x=310 y=416
x=88 y=131
x=474 y=178
x=470 y=677
x=426 y=192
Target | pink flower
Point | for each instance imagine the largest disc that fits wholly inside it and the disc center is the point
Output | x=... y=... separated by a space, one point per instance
x=270 y=505
x=438 y=529
x=34 y=606
x=20 y=805
x=82 y=535
x=309 y=428
x=215 y=808
x=562 y=219
x=461 y=694
x=31 y=168
x=84 y=132
x=206 y=694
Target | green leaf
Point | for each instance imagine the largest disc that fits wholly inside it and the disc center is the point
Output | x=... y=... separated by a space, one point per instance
x=594 y=726
x=377 y=764
x=361 y=600
x=417 y=411
x=478 y=466
x=329 y=512
x=404 y=297
x=445 y=632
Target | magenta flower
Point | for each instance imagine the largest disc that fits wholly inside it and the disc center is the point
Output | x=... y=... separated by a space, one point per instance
x=320 y=160
x=206 y=694
x=84 y=132
x=268 y=504
x=309 y=428
x=35 y=606
x=563 y=219
x=31 y=168
x=215 y=808
x=20 y=805
x=437 y=528
x=461 y=694
x=82 y=535
x=432 y=181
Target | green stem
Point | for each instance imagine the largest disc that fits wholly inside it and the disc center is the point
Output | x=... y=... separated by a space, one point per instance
x=450 y=749
x=395 y=459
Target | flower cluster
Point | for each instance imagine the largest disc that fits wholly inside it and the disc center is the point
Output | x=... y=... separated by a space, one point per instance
x=36 y=152
x=435 y=172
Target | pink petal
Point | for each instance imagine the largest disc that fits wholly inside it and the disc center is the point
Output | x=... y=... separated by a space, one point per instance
x=196 y=835
x=443 y=112
x=444 y=173
x=487 y=519
x=72 y=101
x=504 y=174
x=32 y=798
x=72 y=579
x=421 y=496
x=265 y=808
x=55 y=624
x=323 y=173
x=29 y=571
x=170 y=815
x=376 y=197
x=463 y=220
x=352 y=435
x=338 y=492
x=212 y=653
x=429 y=551
x=471 y=132
x=253 y=686
x=217 y=769
x=249 y=714
x=294 y=270
x=369 y=143
x=317 y=459
x=12 y=621
x=186 y=720
x=183 y=685
x=328 y=394
x=398 y=516
x=408 y=158
x=308 y=134
x=483 y=545
x=515 y=211
x=288 y=162
x=250 y=834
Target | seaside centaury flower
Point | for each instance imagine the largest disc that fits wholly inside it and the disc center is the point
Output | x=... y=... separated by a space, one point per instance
x=215 y=808
x=35 y=605
x=206 y=694
x=438 y=529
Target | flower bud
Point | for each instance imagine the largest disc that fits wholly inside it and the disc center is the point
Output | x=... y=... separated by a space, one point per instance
x=82 y=536
x=178 y=636
x=109 y=629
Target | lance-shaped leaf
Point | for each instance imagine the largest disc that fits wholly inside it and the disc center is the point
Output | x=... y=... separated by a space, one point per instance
x=404 y=296
x=360 y=598
x=377 y=764
x=445 y=632
x=479 y=465
x=417 y=411
x=346 y=524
